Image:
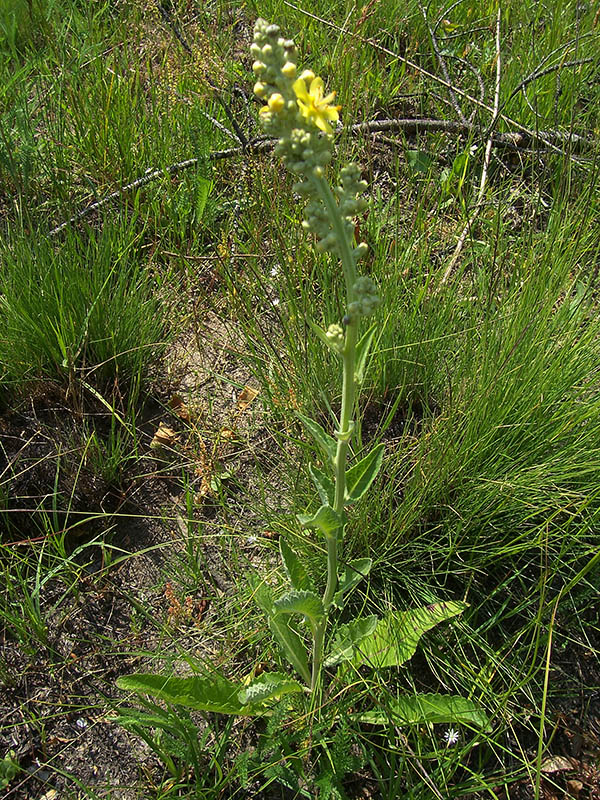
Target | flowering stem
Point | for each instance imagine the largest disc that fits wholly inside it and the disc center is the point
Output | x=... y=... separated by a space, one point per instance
x=345 y=425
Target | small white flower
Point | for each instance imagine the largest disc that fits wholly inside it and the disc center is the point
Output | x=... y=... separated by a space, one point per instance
x=275 y=271
x=252 y=539
x=275 y=301
x=451 y=737
x=81 y=723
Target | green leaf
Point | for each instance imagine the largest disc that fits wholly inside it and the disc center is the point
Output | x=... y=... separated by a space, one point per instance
x=294 y=567
x=361 y=475
x=202 y=694
x=323 y=484
x=363 y=347
x=422 y=708
x=326 y=442
x=326 y=520
x=285 y=636
x=308 y=604
x=268 y=686
x=291 y=644
x=347 y=638
x=397 y=635
x=418 y=160
x=354 y=572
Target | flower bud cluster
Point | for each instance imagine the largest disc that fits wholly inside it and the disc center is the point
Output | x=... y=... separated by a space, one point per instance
x=335 y=337
x=367 y=300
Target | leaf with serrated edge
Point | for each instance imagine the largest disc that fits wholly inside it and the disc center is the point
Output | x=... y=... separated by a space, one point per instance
x=202 y=694
x=326 y=442
x=354 y=572
x=432 y=708
x=306 y=603
x=268 y=686
x=323 y=484
x=362 y=352
x=360 y=476
x=348 y=637
x=397 y=635
x=326 y=520
x=294 y=567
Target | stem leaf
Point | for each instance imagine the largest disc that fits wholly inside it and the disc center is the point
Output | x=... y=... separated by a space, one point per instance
x=326 y=442
x=327 y=520
x=348 y=637
x=363 y=347
x=360 y=476
x=353 y=574
x=397 y=635
x=268 y=686
x=323 y=484
x=306 y=603
x=294 y=567
x=422 y=708
x=285 y=636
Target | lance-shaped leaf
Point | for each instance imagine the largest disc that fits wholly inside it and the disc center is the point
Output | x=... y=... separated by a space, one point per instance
x=423 y=708
x=363 y=347
x=326 y=520
x=360 y=476
x=354 y=572
x=326 y=442
x=294 y=567
x=397 y=635
x=308 y=604
x=202 y=694
x=286 y=637
x=348 y=637
x=268 y=686
x=323 y=484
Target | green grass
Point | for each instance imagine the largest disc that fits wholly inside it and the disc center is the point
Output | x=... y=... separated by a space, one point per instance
x=484 y=388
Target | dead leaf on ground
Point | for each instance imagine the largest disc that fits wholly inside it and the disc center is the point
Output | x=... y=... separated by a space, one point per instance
x=179 y=407
x=164 y=437
x=246 y=397
x=558 y=764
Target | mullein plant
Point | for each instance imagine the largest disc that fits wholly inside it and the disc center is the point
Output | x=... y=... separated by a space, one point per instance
x=299 y=114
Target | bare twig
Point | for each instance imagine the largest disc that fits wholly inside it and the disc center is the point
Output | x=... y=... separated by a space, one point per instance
x=514 y=141
x=486 y=164
x=168 y=19
x=442 y=62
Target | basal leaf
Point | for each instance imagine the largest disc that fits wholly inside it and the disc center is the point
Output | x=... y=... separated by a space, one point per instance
x=268 y=686
x=347 y=638
x=306 y=603
x=323 y=484
x=436 y=708
x=326 y=520
x=202 y=694
x=363 y=347
x=294 y=567
x=354 y=572
x=326 y=442
x=360 y=476
x=397 y=635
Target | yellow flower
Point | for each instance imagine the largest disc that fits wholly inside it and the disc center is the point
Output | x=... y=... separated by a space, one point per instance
x=313 y=106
